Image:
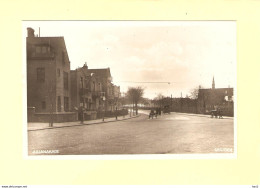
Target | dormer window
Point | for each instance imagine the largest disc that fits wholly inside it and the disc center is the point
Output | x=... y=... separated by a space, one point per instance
x=43 y=49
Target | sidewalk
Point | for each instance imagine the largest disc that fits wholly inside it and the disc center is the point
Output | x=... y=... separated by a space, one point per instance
x=201 y=115
x=34 y=126
x=188 y=114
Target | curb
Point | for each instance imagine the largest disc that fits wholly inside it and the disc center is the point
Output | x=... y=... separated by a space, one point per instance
x=84 y=124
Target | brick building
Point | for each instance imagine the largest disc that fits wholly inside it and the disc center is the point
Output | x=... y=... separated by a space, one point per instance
x=110 y=91
x=54 y=92
x=210 y=99
x=117 y=95
x=93 y=89
x=86 y=90
x=48 y=75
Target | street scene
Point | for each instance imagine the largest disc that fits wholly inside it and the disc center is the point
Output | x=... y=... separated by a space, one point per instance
x=167 y=134
x=130 y=87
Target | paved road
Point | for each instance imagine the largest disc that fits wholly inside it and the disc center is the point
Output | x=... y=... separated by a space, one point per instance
x=174 y=133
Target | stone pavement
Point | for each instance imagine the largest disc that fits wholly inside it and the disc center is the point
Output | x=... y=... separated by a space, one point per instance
x=34 y=126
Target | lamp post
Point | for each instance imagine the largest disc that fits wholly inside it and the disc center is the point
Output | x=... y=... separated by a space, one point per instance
x=116 y=112
x=104 y=107
x=82 y=109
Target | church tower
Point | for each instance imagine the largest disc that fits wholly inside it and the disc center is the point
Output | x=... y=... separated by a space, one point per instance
x=213 y=83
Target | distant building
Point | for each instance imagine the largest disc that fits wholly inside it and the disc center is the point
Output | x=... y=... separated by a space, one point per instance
x=186 y=105
x=48 y=75
x=110 y=91
x=93 y=89
x=117 y=95
x=86 y=90
x=210 y=99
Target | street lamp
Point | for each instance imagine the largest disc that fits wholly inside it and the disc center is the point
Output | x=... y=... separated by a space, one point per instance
x=104 y=106
x=82 y=109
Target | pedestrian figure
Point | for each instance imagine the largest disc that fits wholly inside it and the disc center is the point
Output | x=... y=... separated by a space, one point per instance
x=116 y=113
x=151 y=114
x=220 y=113
x=157 y=111
x=81 y=115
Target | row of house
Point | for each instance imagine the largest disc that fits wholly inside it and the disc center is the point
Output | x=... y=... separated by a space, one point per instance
x=207 y=100
x=52 y=88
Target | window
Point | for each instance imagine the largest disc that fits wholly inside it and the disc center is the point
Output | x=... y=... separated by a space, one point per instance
x=43 y=105
x=94 y=86
x=81 y=82
x=66 y=104
x=66 y=80
x=38 y=49
x=40 y=74
x=63 y=58
x=44 y=49
x=58 y=72
x=59 y=104
x=103 y=94
x=226 y=98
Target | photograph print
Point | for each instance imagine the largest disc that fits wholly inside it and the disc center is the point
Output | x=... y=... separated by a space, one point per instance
x=130 y=87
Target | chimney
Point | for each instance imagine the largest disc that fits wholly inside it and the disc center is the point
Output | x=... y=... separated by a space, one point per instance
x=30 y=32
x=85 y=65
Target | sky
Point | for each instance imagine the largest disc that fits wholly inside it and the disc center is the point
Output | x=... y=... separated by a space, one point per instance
x=164 y=57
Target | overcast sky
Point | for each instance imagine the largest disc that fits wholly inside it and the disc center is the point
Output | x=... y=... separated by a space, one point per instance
x=186 y=54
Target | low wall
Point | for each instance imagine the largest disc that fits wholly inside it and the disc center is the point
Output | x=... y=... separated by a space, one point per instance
x=122 y=112
x=56 y=117
x=88 y=115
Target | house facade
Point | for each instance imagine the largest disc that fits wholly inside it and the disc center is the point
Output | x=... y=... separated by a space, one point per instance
x=48 y=75
x=56 y=93
x=110 y=92
x=86 y=91
x=93 y=89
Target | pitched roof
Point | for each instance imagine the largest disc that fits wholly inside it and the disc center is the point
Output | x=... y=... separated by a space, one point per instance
x=227 y=91
x=100 y=72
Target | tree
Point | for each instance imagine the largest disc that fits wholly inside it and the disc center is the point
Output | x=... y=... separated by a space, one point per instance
x=194 y=93
x=145 y=101
x=134 y=94
x=158 y=100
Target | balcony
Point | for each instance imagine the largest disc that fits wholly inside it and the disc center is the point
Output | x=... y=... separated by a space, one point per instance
x=96 y=94
x=84 y=92
x=110 y=97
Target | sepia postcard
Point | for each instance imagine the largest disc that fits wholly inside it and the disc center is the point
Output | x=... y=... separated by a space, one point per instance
x=130 y=89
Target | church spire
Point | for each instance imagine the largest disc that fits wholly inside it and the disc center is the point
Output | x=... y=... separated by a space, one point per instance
x=213 y=83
